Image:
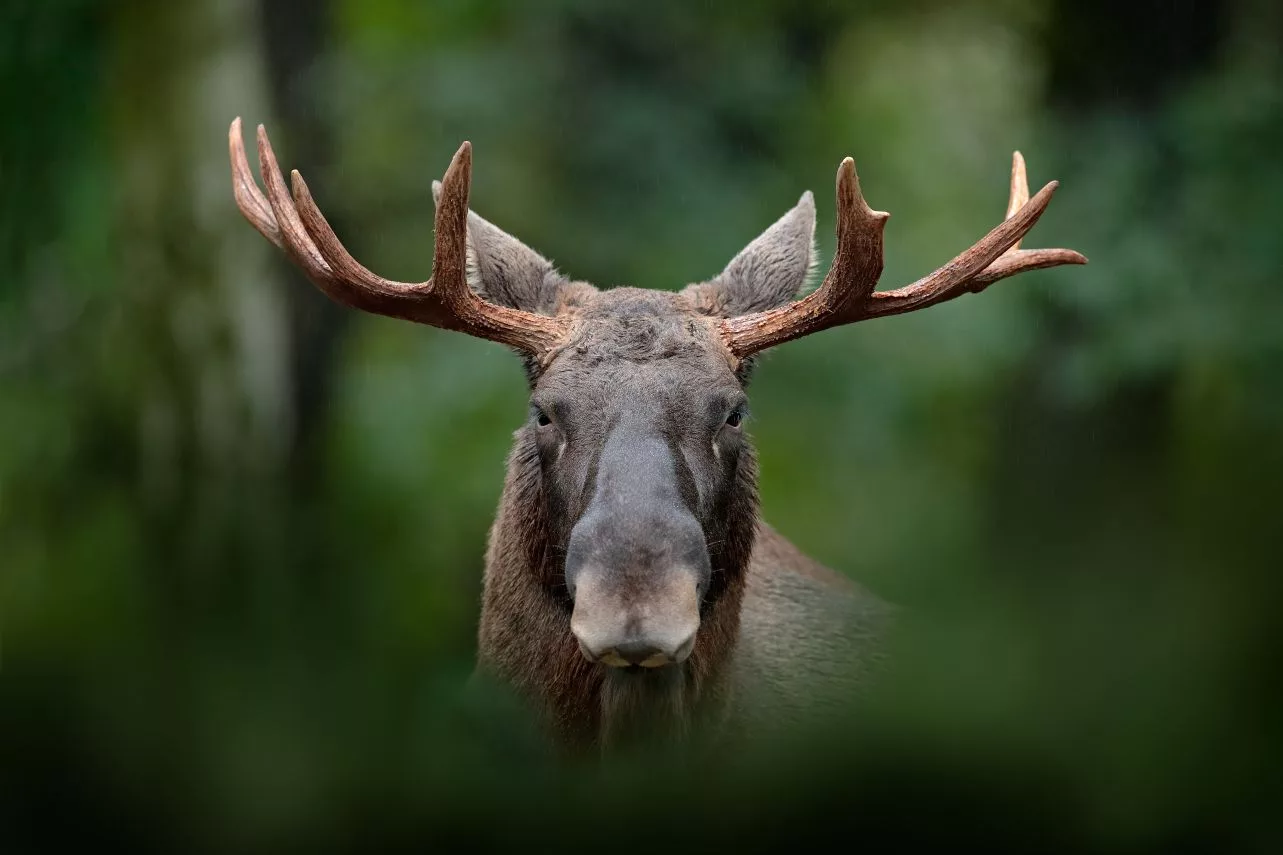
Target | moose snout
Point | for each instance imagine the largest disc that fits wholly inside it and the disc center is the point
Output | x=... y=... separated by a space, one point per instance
x=650 y=628
x=637 y=561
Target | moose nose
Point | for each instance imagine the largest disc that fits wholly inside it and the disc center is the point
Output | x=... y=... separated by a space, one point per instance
x=621 y=627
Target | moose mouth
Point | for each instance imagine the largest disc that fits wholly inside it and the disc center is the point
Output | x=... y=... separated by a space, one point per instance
x=635 y=659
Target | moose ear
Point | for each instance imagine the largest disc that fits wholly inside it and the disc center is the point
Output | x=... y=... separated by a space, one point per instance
x=506 y=272
x=769 y=272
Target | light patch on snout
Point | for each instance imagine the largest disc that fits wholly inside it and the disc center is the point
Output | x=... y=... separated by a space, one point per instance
x=619 y=619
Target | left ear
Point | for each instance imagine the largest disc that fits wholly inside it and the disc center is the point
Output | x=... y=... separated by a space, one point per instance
x=506 y=272
x=769 y=272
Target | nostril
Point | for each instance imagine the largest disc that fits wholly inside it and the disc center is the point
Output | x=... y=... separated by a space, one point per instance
x=638 y=652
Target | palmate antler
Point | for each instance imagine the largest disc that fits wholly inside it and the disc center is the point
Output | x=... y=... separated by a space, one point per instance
x=846 y=295
x=297 y=226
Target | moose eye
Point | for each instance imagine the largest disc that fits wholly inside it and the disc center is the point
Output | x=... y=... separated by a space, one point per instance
x=734 y=419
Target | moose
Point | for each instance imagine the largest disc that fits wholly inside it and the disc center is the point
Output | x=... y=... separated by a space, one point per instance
x=632 y=590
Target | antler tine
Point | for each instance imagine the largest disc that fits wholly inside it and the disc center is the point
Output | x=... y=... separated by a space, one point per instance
x=449 y=243
x=857 y=265
x=1019 y=195
x=294 y=222
x=1022 y=213
x=847 y=294
x=1021 y=261
x=445 y=300
x=952 y=279
x=1016 y=260
x=295 y=240
x=249 y=199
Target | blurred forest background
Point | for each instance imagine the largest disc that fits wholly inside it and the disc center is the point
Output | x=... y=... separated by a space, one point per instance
x=241 y=529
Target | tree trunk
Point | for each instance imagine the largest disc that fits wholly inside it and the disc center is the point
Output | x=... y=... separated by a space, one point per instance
x=207 y=319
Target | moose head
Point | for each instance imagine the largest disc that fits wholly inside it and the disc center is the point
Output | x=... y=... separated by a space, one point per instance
x=628 y=571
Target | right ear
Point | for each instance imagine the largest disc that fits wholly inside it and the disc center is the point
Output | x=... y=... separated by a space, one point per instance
x=506 y=272
x=769 y=272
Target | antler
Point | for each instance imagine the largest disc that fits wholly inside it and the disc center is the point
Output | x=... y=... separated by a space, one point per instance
x=297 y=226
x=846 y=295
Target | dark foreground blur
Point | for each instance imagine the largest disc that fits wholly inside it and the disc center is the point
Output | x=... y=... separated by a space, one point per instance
x=241 y=530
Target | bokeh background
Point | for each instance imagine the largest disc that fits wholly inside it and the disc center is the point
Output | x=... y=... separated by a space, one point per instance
x=241 y=529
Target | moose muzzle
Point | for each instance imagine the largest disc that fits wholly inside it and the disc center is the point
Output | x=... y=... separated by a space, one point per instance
x=637 y=564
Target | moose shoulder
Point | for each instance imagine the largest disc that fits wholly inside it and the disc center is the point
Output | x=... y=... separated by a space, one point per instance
x=631 y=589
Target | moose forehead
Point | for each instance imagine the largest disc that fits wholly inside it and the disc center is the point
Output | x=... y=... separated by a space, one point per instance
x=629 y=342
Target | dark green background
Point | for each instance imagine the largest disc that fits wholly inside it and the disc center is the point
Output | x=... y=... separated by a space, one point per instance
x=241 y=530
